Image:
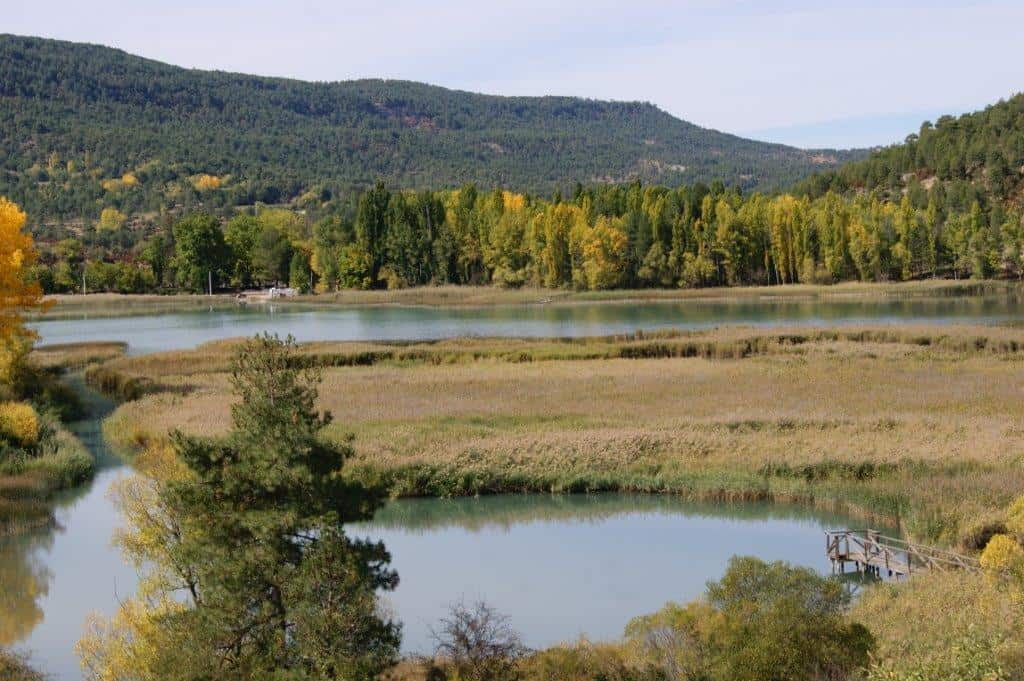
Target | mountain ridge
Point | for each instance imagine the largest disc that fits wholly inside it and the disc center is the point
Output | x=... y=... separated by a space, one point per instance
x=274 y=139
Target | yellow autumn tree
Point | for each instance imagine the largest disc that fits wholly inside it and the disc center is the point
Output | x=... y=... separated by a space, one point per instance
x=206 y=182
x=17 y=292
x=111 y=219
x=604 y=254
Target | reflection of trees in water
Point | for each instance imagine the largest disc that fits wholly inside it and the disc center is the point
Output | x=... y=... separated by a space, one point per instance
x=504 y=511
x=24 y=581
x=24 y=575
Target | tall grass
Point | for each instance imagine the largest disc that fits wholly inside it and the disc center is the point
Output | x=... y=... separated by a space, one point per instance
x=914 y=425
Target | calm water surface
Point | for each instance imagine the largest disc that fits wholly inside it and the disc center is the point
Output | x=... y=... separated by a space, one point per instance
x=187 y=329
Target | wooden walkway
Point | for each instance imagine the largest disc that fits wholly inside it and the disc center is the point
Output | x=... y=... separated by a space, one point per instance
x=876 y=554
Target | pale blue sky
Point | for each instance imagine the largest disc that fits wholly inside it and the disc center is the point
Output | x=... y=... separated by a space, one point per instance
x=809 y=73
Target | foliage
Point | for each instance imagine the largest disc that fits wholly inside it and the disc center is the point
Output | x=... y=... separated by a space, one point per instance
x=761 y=621
x=965 y=625
x=18 y=293
x=974 y=157
x=617 y=236
x=110 y=219
x=220 y=139
x=1003 y=554
x=972 y=658
x=479 y=643
x=249 y=529
x=200 y=252
x=19 y=423
x=16 y=668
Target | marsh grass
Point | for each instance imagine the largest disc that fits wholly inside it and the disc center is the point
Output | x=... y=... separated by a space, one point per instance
x=918 y=425
x=921 y=621
x=489 y=295
x=73 y=306
x=62 y=357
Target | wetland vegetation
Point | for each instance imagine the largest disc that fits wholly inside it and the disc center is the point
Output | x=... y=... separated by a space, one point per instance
x=912 y=423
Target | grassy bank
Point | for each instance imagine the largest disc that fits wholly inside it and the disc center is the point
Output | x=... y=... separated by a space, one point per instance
x=71 y=306
x=27 y=483
x=112 y=304
x=916 y=424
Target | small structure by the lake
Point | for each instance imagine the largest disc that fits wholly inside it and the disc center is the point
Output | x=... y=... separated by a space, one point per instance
x=873 y=553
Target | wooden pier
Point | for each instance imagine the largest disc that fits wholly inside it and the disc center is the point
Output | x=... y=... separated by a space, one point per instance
x=873 y=553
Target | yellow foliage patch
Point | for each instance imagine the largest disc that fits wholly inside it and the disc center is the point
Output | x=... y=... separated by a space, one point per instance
x=110 y=219
x=512 y=201
x=16 y=292
x=127 y=645
x=1003 y=553
x=129 y=180
x=19 y=422
x=205 y=182
x=1015 y=516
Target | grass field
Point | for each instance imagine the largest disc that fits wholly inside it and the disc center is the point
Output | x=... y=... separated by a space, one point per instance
x=916 y=424
x=112 y=304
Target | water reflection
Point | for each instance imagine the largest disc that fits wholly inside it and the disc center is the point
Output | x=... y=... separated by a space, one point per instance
x=187 y=329
x=25 y=579
x=53 y=577
x=506 y=511
x=565 y=566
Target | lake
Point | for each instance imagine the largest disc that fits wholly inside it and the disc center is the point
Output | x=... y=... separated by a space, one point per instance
x=151 y=333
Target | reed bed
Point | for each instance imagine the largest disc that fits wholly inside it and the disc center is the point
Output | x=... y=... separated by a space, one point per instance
x=60 y=357
x=917 y=425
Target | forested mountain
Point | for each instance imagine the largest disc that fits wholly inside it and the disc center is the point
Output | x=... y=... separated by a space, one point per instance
x=84 y=127
x=975 y=157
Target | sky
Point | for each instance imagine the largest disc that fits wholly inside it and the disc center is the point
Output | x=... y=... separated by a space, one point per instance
x=806 y=73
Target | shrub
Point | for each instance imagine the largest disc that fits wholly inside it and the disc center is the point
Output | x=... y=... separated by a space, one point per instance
x=14 y=667
x=972 y=658
x=1003 y=554
x=761 y=622
x=977 y=536
x=479 y=643
x=19 y=423
x=1015 y=517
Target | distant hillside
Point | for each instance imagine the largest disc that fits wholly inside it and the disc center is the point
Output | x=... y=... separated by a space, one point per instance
x=975 y=157
x=86 y=127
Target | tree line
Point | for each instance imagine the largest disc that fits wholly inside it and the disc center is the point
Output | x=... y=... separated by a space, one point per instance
x=602 y=237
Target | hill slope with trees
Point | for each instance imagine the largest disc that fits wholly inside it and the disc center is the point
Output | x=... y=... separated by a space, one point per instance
x=978 y=156
x=86 y=127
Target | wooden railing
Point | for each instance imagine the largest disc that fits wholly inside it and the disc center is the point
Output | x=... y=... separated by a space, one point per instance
x=873 y=552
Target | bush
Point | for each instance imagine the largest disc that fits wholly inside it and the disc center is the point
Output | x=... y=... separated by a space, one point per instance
x=1003 y=554
x=479 y=643
x=585 y=661
x=973 y=658
x=19 y=423
x=15 y=668
x=940 y=625
x=760 y=622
